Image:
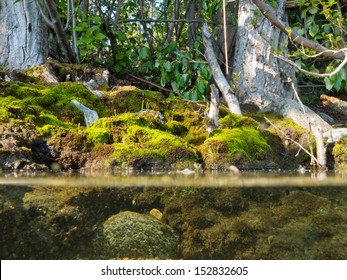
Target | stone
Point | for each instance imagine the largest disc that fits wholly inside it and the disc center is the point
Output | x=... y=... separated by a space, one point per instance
x=138 y=236
x=90 y=116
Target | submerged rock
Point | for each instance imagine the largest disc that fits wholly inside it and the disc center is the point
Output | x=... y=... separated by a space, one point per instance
x=134 y=235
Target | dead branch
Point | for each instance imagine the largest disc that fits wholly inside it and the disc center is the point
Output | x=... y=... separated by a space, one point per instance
x=318 y=75
x=335 y=104
x=214 y=109
x=218 y=75
x=152 y=84
x=268 y=12
x=292 y=140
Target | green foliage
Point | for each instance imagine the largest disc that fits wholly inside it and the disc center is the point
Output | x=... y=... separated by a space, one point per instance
x=182 y=69
x=326 y=23
x=91 y=37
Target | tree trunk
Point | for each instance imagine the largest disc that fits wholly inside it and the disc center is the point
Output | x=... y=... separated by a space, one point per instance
x=23 y=35
x=264 y=80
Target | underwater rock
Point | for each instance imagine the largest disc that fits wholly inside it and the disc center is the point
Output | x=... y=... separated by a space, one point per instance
x=137 y=236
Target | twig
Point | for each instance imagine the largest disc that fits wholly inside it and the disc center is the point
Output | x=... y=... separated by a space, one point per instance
x=152 y=84
x=295 y=142
x=318 y=75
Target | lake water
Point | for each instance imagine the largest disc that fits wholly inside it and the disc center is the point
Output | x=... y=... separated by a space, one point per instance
x=257 y=215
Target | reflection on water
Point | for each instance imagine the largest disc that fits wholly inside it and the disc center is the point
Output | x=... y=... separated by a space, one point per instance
x=173 y=216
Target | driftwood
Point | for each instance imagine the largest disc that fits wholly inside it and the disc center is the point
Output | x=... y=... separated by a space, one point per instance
x=335 y=104
x=218 y=75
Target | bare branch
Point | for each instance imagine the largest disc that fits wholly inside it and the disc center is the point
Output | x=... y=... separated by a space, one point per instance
x=46 y=19
x=218 y=75
x=295 y=142
x=268 y=12
x=318 y=75
x=162 y=20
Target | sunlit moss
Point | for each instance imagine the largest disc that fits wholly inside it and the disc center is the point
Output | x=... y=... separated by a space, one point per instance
x=235 y=146
x=340 y=154
x=155 y=146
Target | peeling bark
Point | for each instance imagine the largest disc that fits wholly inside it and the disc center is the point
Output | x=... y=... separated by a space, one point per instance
x=23 y=35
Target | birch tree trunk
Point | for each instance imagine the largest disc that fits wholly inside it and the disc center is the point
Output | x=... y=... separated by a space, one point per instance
x=264 y=80
x=23 y=35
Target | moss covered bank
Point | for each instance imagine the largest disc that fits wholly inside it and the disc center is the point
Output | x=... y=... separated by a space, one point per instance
x=140 y=129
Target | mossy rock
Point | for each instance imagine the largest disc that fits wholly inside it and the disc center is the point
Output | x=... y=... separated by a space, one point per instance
x=132 y=99
x=340 y=154
x=143 y=147
x=245 y=147
x=186 y=119
x=47 y=105
x=138 y=236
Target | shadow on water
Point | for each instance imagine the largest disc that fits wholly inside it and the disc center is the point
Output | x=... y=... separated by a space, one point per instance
x=257 y=215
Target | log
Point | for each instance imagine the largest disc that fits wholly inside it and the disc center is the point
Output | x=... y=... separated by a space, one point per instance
x=335 y=104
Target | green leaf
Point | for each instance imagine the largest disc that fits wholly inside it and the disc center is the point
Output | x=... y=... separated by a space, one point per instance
x=120 y=56
x=201 y=86
x=313 y=10
x=167 y=66
x=144 y=53
x=121 y=36
x=328 y=83
x=174 y=86
x=99 y=36
x=118 y=68
x=314 y=29
x=96 y=19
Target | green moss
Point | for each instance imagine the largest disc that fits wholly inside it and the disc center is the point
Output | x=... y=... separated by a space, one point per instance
x=152 y=145
x=340 y=154
x=48 y=107
x=235 y=146
x=186 y=119
x=233 y=121
x=131 y=99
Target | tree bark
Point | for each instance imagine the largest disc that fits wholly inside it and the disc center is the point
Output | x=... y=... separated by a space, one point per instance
x=23 y=35
x=264 y=80
x=60 y=32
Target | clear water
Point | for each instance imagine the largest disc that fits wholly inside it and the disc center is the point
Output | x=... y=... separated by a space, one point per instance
x=257 y=215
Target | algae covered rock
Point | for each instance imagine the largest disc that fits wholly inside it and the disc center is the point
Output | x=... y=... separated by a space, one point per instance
x=133 y=235
x=340 y=154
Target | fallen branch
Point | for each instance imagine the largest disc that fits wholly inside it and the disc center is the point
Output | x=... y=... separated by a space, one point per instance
x=294 y=36
x=222 y=83
x=335 y=104
x=152 y=84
